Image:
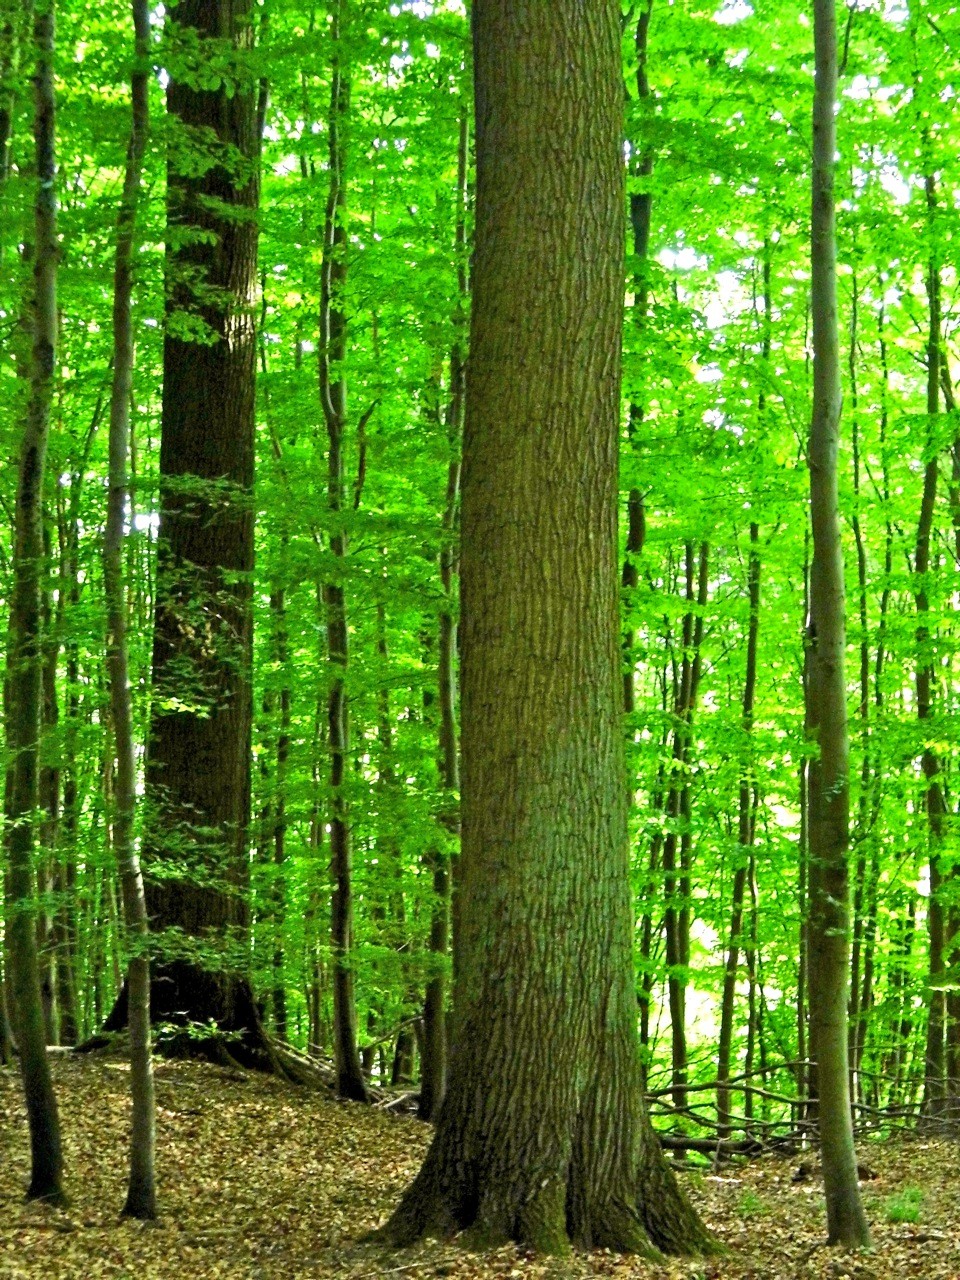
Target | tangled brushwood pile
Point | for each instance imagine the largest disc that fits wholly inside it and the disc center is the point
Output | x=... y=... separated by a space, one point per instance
x=263 y=1181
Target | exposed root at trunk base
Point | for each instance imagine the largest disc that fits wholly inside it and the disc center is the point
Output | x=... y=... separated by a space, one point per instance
x=545 y=1222
x=213 y=1017
x=227 y=1049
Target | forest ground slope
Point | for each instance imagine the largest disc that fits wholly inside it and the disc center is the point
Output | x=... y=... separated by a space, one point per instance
x=259 y=1180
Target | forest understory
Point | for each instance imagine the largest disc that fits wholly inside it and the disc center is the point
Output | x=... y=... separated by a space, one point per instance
x=259 y=1179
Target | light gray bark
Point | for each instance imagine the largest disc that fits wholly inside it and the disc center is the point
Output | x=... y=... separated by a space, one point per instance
x=828 y=785
x=141 y=1192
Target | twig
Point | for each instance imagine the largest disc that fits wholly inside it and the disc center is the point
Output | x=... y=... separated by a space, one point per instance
x=407 y=1266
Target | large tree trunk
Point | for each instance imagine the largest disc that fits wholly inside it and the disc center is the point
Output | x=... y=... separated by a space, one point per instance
x=829 y=784
x=198 y=758
x=24 y=687
x=541 y=1137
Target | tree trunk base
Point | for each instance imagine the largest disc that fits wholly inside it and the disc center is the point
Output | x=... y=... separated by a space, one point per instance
x=211 y=1018
x=550 y=1221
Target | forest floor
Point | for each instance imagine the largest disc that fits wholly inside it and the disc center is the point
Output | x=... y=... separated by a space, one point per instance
x=262 y=1181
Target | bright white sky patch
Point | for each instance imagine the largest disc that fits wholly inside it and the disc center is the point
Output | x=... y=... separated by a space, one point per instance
x=684 y=259
x=732 y=11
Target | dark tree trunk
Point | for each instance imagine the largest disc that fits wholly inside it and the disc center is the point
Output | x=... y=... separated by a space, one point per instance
x=641 y=203
x=676 y=870
x=24 y=681
x=745 y=833
x=934 y=1085
x=198 y=758
x=541 y=1136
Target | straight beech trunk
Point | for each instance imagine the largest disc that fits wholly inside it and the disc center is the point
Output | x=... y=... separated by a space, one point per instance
x=542 y=1137
x=829 y=784
x=24 y=691
x=141 y=1192
x=435 y=1049
x=676 y=871
x=641 y=203
x=198 y=758
x=10 y=40
x=333 y=397
x=745 y=833
x=277 y=835
x=935 y=1101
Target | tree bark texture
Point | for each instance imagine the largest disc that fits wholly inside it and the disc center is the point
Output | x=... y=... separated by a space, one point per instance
x=746 y=821
x=198 y=757
x=829 y=786
x=435 y=1047
x=541 y=1137
x=141 y=1189
x=935 y=1084
x=333 y=398
x=24 y=690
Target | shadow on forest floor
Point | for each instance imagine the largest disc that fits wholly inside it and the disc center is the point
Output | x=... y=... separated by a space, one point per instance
x=261 y=1181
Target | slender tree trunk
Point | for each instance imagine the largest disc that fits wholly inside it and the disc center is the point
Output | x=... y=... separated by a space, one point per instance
x=276 y=818
x=745 y=831
x=24 y=662
x=676 y=879
x=641 y=203
x=435 y=1048
x=806 y=1068
x=856 y=1012
x=333 y=396
x=12 y=16
x=141 y=1190
x=829 y=786
x=49 y=795
x=541 y=1136
x=934 y=1086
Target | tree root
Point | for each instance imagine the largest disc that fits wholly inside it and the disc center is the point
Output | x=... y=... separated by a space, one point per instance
x=259 y=1052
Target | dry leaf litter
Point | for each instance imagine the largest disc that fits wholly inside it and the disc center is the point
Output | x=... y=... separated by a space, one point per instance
x=261 y=1181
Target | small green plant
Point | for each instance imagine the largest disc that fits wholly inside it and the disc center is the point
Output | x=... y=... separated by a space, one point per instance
x=751 y=1205
x=905 y=1206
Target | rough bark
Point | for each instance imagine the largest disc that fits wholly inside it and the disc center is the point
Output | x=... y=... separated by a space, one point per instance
x=828 y=779
x=24 y=691
x=198 y=760
x=141 y=1187
x=541 y=1136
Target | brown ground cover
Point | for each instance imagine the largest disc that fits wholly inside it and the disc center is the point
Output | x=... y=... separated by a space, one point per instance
x=262 y=1181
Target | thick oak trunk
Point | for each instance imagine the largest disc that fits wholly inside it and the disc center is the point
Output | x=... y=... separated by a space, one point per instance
x=542 y=1137
x=198 y=756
